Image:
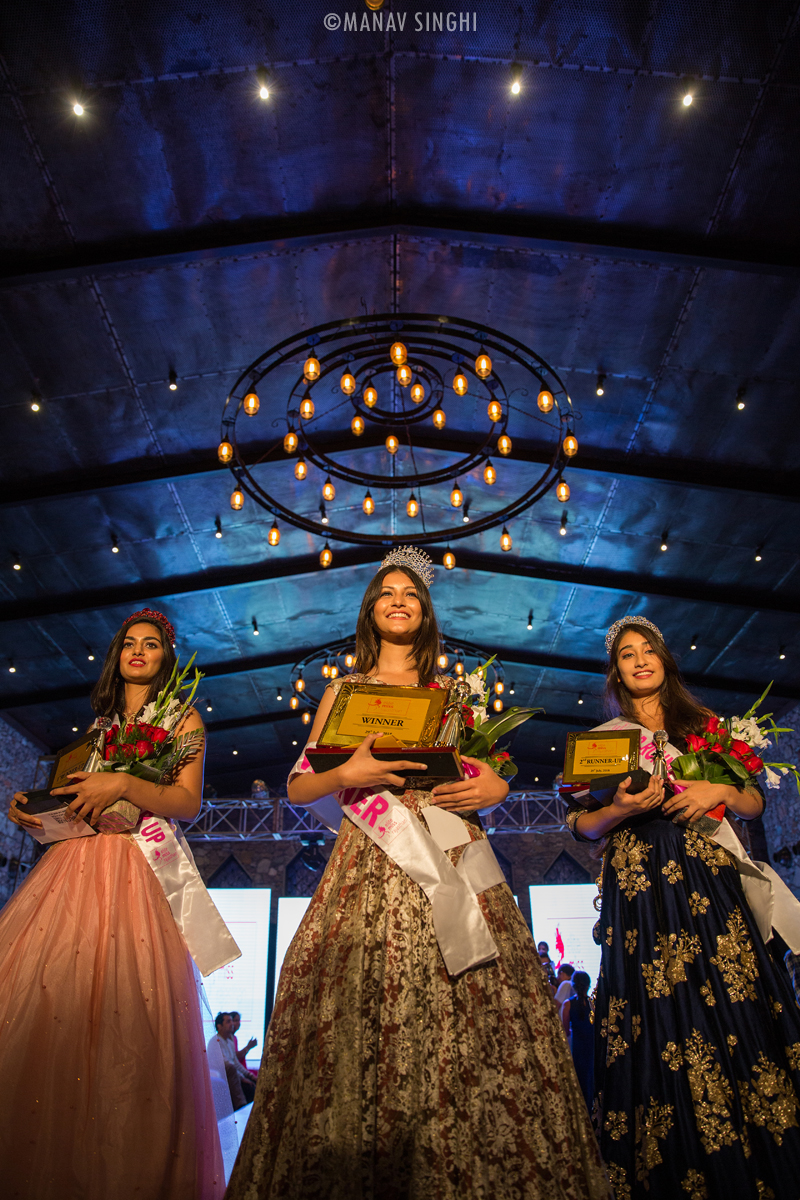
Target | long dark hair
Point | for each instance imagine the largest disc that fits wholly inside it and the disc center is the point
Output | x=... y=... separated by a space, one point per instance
x=108 y=694
x=683 y=712
x=425 y=647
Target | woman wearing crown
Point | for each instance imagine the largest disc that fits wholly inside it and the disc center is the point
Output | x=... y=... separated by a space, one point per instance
x=106 y=1089
x=414 y=1049
x=697 y=1036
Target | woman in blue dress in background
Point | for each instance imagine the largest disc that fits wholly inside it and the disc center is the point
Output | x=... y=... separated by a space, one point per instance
x=697 y=1035
x=577 y=1017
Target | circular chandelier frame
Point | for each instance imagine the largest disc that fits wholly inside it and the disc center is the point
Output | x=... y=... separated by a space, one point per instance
x=437 y=346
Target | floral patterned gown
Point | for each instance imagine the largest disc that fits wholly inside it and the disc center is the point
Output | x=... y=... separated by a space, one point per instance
x=697 y=1034
x=385 y=1078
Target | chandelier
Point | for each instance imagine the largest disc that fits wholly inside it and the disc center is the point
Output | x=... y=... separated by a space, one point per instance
x=395 y=415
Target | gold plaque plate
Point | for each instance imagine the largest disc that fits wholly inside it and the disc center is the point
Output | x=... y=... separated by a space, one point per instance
x=600 y=752
x=411 y=716
x=73 y=757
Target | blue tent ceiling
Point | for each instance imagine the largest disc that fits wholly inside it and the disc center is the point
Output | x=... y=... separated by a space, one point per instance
x=183 y=223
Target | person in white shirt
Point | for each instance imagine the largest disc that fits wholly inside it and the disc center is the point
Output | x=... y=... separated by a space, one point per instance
x=240 y=1081
x=564 y=983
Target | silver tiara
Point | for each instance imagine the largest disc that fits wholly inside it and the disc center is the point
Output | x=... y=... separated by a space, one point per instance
x=631 y=619
x=409 y=556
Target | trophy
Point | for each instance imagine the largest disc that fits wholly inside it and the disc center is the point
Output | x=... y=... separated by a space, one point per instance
x=597 y=761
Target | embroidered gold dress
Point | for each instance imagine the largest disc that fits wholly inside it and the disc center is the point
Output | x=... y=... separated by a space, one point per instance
x=697 y=1034
x=385 y=1078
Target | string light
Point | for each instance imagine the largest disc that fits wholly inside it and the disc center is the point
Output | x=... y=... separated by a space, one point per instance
x=173 y=380
x=255 y=627
x=35 y=402
x=483 y=366
x=495 y=410
x=12 y=670
x=465 y=513
x=274 y=535
x=306 y=717
x=442 y=662
x=278 y=695
x=224 y=452
x=687 y=99
x=562 y=491
x=235 y=752
x=311 y=368
x=357 y=425
x=325 y=556
x=300 y=469
x=417 y=393
x=740 y=399
x=439 y=419
x=300 y=683
x=114 y=544
x=218 y=524
x=460 y=384
x=78 y=109
x=237 y=499
x=580 y=697
x=545 y=401
x=326 y=670
x=74 y=728
x=328 y=490
x=564 y=520
x=570 y=444
x=758 y=553
x=664 y=536
x=693 y=646
x=782 y=654
x=398 y=354
x=90 y=656
x=505 y=540
x=456 y=496
x=489 y=473
x=306 y=407
x=497 y=704
x=404 y=375
x=449 y=560
x=370 y=396
x=511 y=690
x=251 y=404
x=392 y=444
x=263 y=92
x=323 y=514
x=334 y=670
x=17 y=566
x=290 y=442
x=499 y=687
x=208 y=706
x=600 y=389
x=349 y=660
x=294 y=703
x=368 y=505
x=530 y=619
x=412 y=507
x=504 y=445
x=347 y=383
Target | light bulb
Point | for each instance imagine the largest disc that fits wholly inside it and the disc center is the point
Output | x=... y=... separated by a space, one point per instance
x=459 y=668
x=311 y=368
x=173 y=381
x=545 y=401
x=465 y=514
x=225 y=452
x=563 y=528
x=392 y=444
x=439 y=419
x=12 y=670
x=664 y=546
x=300 y=469
x=35 y=406
x=483 y=366
x=499 y=686
x=347 y=384
x=404 y=375
x=255 y=628
x=693 y=646
x=456 y=496
x=74 y=728
x=580 y=698
x=758 y=556
x=306 y=407
x=299 y=684
x=515 y=87
x=368 y=505
x=279 y=695
x=370 y=396
x=530 y=619
x=495 y=410
x=570 y=444
x=90 y=656
x=442 y=662
x=237 y=499
x=449 y=560
x=511 y=689
x=505 y=540
x=740 y=405
x=504 y=445
x=263 y=93
x=460 y=384
x=781 y=656
x=209 y=708
x=326 y=670
x=323 y=514
x=357 y=425
x=687 y=99
x=489 y=474
x=251 y=404
x=349 y=660
x=78 y=109
x=328 y=490
x=17 y=566
x=294 y=702
x=497 y=704
x=417 y=393
x=562 y=491
x=325 y=556
x=398 y=354
x=600 y=389
x=412 y=508
x=274 y=535
x=306 y=717
x=290 y=442
x=334 y=670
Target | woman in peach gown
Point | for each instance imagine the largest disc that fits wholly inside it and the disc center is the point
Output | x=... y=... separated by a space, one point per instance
x=105 y=1084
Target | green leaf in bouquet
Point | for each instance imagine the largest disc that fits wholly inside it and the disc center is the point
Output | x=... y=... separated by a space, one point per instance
x=688 y=766
x=738 y=768
x=474 y=744
x=497 y=727
x=758 y=702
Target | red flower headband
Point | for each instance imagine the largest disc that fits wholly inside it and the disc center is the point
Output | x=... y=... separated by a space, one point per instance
x=150 y=614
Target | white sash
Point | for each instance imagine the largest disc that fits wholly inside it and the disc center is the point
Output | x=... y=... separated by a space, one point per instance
x=772 y=903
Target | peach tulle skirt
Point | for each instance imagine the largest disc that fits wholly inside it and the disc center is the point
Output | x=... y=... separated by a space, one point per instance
x=104 y=1085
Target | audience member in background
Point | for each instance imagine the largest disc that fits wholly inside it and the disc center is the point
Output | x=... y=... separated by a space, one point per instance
x=240 y=1081
x=544 y=954
x=576 y=1017
x=236 y=1018
x=563 y=983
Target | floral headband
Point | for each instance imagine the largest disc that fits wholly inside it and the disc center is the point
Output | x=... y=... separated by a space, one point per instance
x=155 y=618
x=631 y=619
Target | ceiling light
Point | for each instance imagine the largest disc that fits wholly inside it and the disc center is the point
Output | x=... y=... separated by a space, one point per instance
x=392 y=444
x=293 y=704
x=263 y=92
x=456 y=496
x=404 y=375
x=465 y=513
x=323 y=514
x=562 y=491
x=300 y=469
x=224 y=451
x=306 y=407
x=251 y=404
x=758 y=553
x=255 y=627
x=114 y=545
x=78 y=109
x=497 y=704
x=505 y=540
x=347 y=383
x=511 y=690
x=693 y=645
x=370 y=396
x=442 y=662
x=12 y=670
x=563 y=528
x=290 y=442
x=439 y=419
x=483 y=366
x=300 y=683
x=90 y=656
x=412 y=507
x=740 y=399
x=311 y=368
x=36 y=402
x=552 y=747
x=294 y=743
x=782 y=654
x=545 y=401
x=209 y=708
x=516 y=87
x=325 y=556
x=173 y=380
x=458 y=667
x=449 y=560
x=17 y=566
x=687 y=99
x=235 y=752
x=349 y=660
x=570 y=444
x=306 y=717
x=530 y=619
x=536 y=779
x=74 y=728
x=460 y=384
x=504 y=445
x=664 y=537
x=600 y=390
x=489 y=473
x=357 y=425
x=499 y=687
x=495 y=410
x=326 y=670
x=237 y=499
x=368 y=505
x=580 y=698
x=334 y=670
x=417 y=393
x=398 y=354
x=218 y=524
x=328 y=490
x=279 y=694
x=274 y=535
